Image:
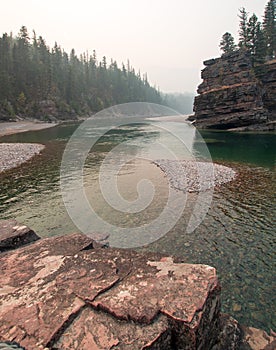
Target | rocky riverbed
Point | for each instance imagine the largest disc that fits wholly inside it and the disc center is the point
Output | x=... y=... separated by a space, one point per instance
x=14 y=154
x=193 y=176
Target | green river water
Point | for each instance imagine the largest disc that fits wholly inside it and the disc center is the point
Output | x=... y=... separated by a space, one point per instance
x=237 y=235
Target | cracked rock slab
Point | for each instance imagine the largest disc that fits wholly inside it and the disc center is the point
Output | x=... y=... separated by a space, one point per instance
x=177 y=290
x=98 y=330
x=62 y=293
x=45 y=284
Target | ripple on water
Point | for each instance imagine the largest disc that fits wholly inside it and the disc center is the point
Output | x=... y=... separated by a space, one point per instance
x=238 y=238
x=237 y=235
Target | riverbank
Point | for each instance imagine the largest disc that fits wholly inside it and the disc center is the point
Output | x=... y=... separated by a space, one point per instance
x=8 y=128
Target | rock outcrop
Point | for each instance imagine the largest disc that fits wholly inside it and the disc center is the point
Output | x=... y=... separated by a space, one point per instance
x=57 y=294
x=235 y=94
x=70 y=293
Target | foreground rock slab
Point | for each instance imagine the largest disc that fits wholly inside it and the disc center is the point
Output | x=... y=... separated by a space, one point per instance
x=14 y=235
x=61 y=293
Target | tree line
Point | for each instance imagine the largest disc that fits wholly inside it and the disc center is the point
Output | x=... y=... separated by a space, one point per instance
x=257 y=38
x=37 y=81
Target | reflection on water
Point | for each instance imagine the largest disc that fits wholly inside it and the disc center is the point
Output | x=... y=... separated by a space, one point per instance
x=237 y=235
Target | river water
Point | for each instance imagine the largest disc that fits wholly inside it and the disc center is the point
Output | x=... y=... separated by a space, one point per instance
x=237 y=236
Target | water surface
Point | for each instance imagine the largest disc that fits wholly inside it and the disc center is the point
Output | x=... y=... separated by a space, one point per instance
x=237 y=235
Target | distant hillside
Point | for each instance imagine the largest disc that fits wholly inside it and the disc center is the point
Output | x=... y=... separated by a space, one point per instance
x=45 y=83
x=182 y=103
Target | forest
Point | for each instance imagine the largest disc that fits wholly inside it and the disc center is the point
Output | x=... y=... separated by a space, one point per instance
x=45 y=83
x=256 y=37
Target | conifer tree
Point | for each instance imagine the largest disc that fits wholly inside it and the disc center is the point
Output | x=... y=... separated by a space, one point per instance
x=252 y=30
x=269 y=25
x=33 y=76
x=227 y=43
x=243 y=32
x=261 y=45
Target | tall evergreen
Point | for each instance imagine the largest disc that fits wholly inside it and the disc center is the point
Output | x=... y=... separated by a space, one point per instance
x=269 y=25
x=243 y=32
x=256 y=38
x=261 y=46
x=252 y=33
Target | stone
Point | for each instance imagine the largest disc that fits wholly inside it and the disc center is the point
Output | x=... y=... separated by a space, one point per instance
x=235 y=94
x=257 y=339
x=236 y=307
x=230 y=336
x=62 y=293
x=99 y=330
x=14 y=235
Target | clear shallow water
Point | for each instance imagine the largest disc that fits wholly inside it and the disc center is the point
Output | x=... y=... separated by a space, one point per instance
x=237 y=235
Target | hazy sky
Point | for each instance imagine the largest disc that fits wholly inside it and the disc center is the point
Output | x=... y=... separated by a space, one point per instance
x=168 y=39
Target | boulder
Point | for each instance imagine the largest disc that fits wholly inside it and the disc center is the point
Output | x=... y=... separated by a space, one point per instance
x=14 y=235
x=257 y=339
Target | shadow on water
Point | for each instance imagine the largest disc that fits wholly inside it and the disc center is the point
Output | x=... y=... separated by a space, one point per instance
x=254 y=148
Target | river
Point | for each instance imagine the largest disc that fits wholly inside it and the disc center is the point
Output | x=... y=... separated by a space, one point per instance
x=237 y=236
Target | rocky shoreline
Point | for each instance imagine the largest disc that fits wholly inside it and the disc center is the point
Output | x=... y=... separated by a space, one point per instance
x=15 y=154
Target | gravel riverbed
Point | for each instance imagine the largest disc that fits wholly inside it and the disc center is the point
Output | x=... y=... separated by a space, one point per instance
x=14 y=154
x=193 y=176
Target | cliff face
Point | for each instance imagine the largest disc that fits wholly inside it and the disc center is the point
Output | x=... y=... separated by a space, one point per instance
x=236 y=95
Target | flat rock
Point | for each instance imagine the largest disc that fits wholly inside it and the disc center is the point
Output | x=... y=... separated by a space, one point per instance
x=14 y=235
x=62 y=293
x=94 y=329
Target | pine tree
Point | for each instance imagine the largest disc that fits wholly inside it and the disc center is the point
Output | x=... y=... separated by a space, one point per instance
x=227 y=43
x=252 y=30
x=243 y=32
x=269 y=25
x=261 y=46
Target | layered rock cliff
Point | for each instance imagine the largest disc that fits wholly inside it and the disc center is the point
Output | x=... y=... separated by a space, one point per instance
x=235 y=94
